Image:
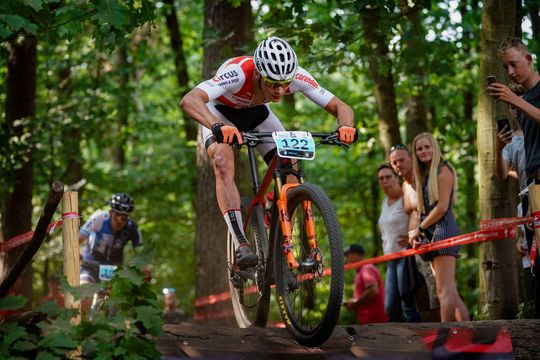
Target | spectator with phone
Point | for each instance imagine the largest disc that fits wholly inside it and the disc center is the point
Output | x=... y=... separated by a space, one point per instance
x=517 y=61
x=510 y=148
x=510 y=162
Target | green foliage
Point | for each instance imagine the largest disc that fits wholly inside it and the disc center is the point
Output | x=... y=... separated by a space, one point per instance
x=111 y=20
x=13 y=302
x=118 y=330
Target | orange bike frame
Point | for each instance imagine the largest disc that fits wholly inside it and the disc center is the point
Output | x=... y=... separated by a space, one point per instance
x=284 y=219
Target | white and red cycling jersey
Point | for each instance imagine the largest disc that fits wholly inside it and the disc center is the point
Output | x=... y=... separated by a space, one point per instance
x=232 y=85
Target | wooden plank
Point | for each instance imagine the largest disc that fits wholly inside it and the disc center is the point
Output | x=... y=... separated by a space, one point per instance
x=372 y=341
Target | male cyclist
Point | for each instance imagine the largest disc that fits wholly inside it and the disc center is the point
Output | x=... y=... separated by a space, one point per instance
x=107 y=233
x=236 y=99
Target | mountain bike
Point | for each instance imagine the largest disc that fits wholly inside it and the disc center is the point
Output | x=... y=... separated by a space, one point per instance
x=301 y=253
x=105 y=274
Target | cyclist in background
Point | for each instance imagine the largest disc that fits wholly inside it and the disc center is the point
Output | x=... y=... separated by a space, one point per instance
x=107 y=232
x=236 y=99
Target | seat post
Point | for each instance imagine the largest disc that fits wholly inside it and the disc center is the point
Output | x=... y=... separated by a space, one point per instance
x=254 y=172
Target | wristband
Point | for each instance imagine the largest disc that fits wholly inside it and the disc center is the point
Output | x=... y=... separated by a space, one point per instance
x=216 y=131
x=421 y=229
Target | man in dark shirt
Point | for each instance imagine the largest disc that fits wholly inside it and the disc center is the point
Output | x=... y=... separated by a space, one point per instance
x=517 y=61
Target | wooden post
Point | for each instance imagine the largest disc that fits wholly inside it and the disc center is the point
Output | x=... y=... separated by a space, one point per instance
x=534 y=200
x=70 y=239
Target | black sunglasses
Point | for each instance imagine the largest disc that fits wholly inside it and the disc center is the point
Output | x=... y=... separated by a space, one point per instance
x=398 y=147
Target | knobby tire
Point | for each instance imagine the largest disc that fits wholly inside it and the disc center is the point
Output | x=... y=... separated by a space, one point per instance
x=310 y=308
x=251 y=302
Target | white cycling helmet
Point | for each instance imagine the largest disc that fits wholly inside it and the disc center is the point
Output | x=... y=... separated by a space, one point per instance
x=275 y=59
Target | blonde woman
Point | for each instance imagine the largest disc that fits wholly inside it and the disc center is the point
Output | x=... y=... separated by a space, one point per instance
x=436 y=183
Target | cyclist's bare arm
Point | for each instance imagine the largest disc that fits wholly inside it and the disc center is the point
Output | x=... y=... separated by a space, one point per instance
x=341 y=111
x=194 y=105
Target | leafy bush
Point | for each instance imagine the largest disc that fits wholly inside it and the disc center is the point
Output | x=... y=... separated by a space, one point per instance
x=121 y=329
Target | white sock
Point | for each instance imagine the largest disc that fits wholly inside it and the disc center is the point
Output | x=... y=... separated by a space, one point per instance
x=233 y=218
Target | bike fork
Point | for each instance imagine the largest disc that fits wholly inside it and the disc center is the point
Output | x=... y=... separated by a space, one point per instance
x=286 y=229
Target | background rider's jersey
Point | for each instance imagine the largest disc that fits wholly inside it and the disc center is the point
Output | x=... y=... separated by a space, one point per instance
x=232 y=86
x=103 y=246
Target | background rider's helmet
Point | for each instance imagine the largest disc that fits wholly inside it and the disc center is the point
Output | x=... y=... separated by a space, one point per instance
x=122 y=203
x=275 y=59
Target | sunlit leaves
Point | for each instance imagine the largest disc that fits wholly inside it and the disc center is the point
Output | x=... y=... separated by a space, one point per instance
x=111 y=12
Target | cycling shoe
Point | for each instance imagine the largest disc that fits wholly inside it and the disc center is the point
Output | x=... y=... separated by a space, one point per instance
x=245 y=257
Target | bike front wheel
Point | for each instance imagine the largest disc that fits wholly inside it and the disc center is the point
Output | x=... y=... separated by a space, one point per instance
x=310 y=296
x=250 y=290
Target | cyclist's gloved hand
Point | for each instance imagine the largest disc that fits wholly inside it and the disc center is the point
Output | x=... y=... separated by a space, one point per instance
x=347 y=134
x=226 y=134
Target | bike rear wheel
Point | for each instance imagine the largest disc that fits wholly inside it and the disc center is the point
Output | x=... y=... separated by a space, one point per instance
x=250 y=291
x=309 y=299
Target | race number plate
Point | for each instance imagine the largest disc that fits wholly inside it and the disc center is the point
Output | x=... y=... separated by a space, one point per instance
x=294 y=144
x=106 y=272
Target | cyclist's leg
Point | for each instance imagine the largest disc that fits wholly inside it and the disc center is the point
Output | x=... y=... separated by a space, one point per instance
x=227 y=194
x=88 y=275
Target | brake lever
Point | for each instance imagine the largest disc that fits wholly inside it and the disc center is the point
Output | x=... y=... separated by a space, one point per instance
x=333 y=140
x=250 y=140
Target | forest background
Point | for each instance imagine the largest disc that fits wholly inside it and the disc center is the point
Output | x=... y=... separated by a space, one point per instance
x=91 y=91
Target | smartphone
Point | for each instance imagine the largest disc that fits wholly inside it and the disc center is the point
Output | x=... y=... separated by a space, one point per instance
x=501 y=123
x=491 y=79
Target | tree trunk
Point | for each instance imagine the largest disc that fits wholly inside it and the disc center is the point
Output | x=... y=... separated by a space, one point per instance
x=20 y=111
x=71 y=132
x=380 y=71
x=498 y=271
x=416 y=111
x=119 y=141
x=375 y=210
x=182 y=76
x=470 y=223
x=234 y=26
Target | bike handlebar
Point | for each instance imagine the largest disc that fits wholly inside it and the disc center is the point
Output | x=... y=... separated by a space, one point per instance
x=253 y=139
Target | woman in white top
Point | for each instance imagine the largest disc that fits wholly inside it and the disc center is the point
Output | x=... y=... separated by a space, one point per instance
x=394 y=223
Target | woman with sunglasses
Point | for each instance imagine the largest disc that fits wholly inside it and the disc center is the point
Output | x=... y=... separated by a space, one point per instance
x=436 y=183
x=237 y=99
